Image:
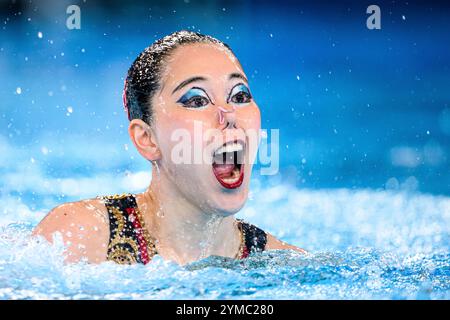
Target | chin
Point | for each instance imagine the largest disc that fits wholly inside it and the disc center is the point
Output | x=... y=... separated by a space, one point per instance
x=226 y=202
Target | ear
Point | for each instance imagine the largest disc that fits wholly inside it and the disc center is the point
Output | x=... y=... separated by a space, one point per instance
x=144 y=139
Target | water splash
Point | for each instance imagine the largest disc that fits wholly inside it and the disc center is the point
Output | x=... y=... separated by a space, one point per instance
x=363 y=245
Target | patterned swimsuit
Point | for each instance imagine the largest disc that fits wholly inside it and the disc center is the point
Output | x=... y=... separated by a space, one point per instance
x=130 y=242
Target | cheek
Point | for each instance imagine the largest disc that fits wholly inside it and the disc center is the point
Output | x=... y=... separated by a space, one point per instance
x=190 y=121
x=249 y=118
x=182 y=123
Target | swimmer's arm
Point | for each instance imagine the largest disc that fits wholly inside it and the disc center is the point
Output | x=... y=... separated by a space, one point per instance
x=274 y=244
x=84 y=228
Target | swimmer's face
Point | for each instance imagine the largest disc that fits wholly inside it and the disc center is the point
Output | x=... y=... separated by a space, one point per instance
x=204 y=104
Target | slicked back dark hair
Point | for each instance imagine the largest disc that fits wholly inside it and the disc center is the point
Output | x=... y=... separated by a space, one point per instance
x=144 y=76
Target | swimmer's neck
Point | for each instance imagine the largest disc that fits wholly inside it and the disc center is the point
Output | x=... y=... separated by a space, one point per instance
x=184 y=233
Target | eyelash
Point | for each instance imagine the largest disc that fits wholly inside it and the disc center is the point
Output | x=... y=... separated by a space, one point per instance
x=189 y=98
x=185 y=100
x=244 y=91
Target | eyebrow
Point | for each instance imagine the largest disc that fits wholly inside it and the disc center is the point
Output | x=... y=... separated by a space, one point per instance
x=187 y=81
x=237 y=75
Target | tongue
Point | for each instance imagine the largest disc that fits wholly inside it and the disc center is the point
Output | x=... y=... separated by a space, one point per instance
x=223 y=170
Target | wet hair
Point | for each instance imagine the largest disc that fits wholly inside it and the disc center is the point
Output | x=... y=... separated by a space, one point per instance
x=144 y=75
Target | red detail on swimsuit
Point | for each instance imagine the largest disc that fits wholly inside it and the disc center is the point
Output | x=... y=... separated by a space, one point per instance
x=245 y=253
x=140 y=235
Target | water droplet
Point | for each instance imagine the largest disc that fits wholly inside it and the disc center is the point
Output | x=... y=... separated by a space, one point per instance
x=44 y=150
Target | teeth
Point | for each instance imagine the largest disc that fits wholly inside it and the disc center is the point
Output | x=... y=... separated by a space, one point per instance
x=230 y=147
x=230 y=180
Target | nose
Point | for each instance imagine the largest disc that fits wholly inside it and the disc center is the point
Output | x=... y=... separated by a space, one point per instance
x=228 y=116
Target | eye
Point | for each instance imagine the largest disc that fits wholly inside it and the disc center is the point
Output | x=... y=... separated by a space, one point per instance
x=240 y=94
x=194 y=98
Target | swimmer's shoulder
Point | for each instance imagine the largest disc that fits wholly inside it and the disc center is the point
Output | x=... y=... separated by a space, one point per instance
x=84 y=227
x=275 y=244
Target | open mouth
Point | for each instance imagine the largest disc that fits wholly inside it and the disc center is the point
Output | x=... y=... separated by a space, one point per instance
x=228 y=164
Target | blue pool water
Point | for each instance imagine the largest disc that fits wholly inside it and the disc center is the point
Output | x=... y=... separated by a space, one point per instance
x=363 y=244
x=364 y=119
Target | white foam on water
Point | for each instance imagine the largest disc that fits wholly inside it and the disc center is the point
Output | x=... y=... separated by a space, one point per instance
x=362 y=244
